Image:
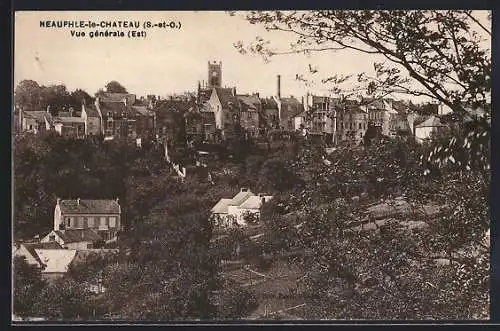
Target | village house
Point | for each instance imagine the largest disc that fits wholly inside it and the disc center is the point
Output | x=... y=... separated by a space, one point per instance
x=35 y=121
x=269 y=114
x=75 y=238
x=28 y=251
x=250 y=110
x=226 y=110
x=102 y=216
x=352 y=123
x=92 y=120
x=69 y=127
x=228 y=213
x=56 y=262
x=429 y=128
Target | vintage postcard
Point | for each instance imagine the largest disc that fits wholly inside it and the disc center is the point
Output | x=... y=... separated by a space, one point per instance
x=181 y=166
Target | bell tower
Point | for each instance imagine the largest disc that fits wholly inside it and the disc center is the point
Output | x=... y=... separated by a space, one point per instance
x=214 y=74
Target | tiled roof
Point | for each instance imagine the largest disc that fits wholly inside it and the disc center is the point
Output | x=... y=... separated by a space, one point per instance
x=56 y=260
x=174 y=105
x=144 y=111
x=432 y=121
x=221 y=206
x=249 y=101
x=87 y=206
x=38 y=115
x=31 y=247
x=78 y=235
x=117 y=97
x=114 y=108
x=254 y=202
x=226 y=97
x=239 y=198
x=269 y=103
x=69 y=120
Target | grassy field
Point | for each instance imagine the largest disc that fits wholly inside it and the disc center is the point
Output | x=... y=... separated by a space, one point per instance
x=275 y=288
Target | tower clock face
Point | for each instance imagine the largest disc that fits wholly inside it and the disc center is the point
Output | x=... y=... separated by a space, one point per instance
x=214 y=73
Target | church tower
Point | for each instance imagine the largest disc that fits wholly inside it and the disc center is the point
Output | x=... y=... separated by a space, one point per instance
x=214 y=74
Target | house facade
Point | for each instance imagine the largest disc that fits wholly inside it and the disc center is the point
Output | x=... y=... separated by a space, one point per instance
x=70 y=127
x=352 y=123
x=225 y=106
x=250 y=110
x=92 y=120
x=28 y=251
x=102 y=216
x=35 y=121
x=428 y=128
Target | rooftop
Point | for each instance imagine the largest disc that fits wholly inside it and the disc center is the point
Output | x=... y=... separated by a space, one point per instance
x=56 y=260
x=78 y=235
x=254 y=202
x=221 y=206
x=87 y=206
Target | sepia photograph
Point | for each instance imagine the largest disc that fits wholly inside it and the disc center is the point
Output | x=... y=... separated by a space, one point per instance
x=251 y=166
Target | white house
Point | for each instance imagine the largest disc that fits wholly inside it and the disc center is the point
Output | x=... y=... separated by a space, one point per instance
x=56 y=261
x=229 y=212
x=251 y=206
x=427 y=128
x=74 y=238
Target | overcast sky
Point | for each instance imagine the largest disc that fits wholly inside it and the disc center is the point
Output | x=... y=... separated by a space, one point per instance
x=166 y=61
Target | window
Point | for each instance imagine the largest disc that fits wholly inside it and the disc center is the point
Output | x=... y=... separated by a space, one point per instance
x=102 y=221
x=90 y=222
x=360 y=126
x=112 y=222
x=89 y=246
x=52 y=238
x=31 y=127
x=68 y=222
x=80 y=222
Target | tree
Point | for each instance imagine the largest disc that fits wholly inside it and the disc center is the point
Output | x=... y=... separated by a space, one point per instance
x=27 y=94
x=433 y=53
x=79 y=96
x=115 y=87
x=27 y=284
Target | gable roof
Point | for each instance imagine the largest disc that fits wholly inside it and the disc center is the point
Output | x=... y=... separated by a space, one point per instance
x=226 y=97
x=239 y=198
x=249 y=102
x=68 y=119
x=254 y=202
x=38 y=115
x=56 y=260
x=269 y=103
x=114 y=108
x=78 y=235
x=221 y=206
x=87 y=206
x=117 y=97
x=432 y=121
x=32 y=247
x=144 y=111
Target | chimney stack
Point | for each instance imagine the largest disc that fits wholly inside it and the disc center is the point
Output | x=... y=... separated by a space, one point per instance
x=58 y=201
x=78 y=201
x=278 y=87
x=48 y=109
x=234 y=91
x=117 y=200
